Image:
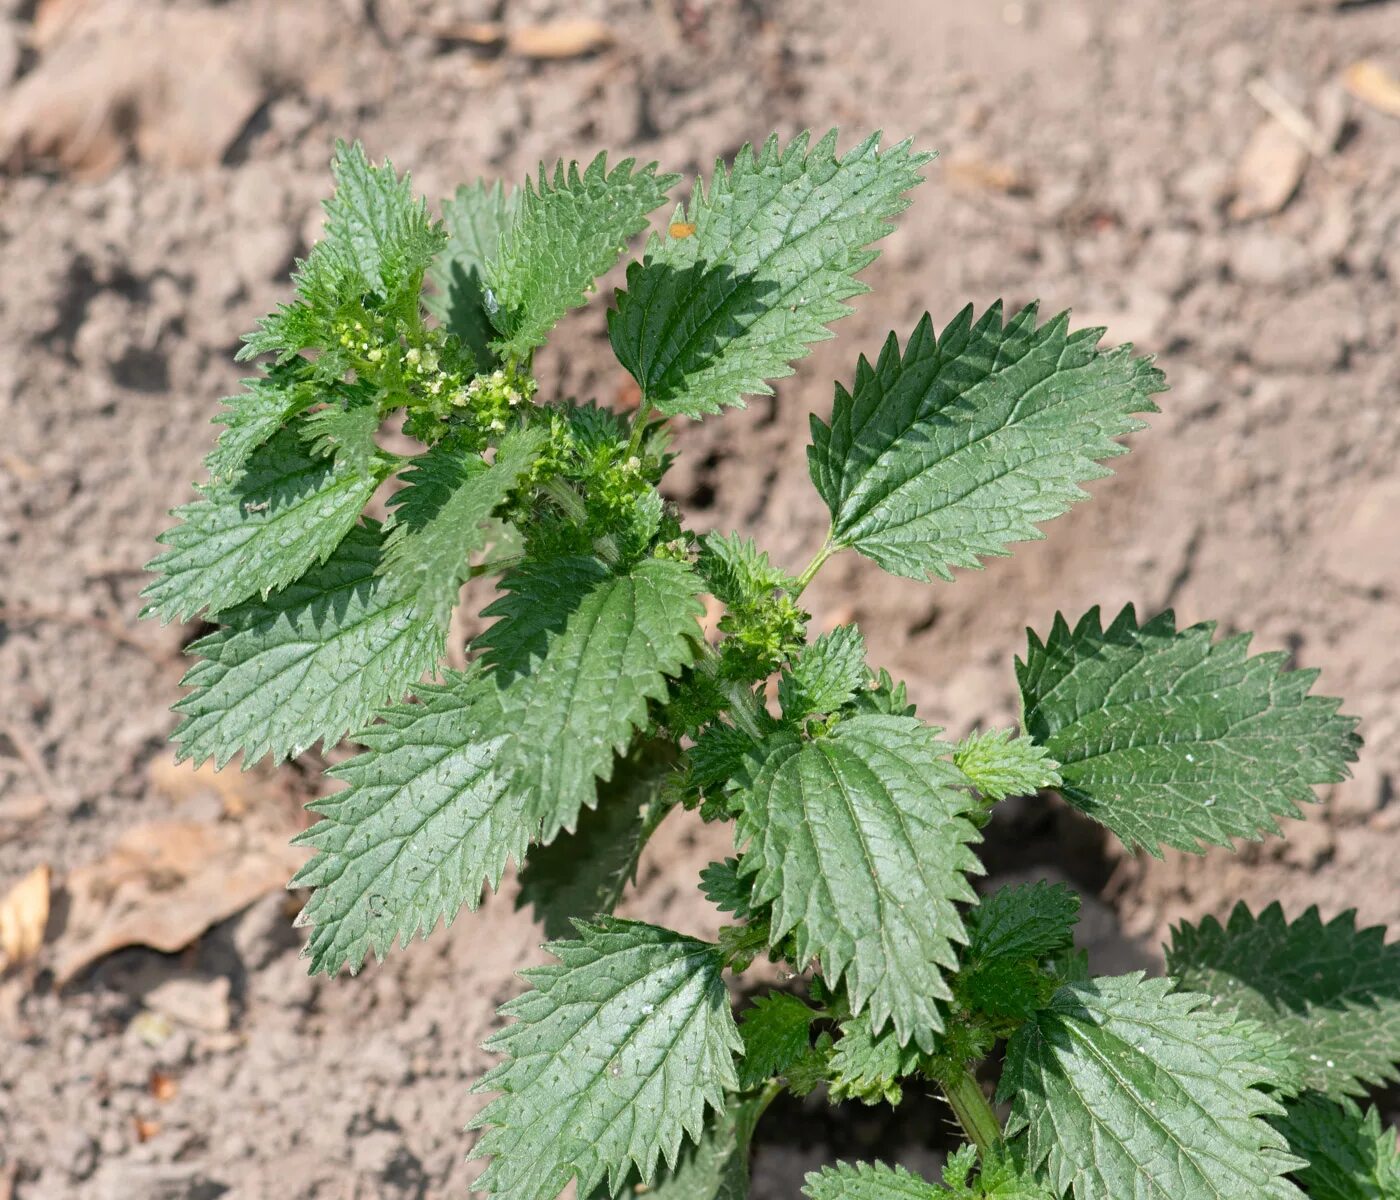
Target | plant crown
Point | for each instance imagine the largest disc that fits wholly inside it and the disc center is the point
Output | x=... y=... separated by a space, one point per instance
x=594 y=705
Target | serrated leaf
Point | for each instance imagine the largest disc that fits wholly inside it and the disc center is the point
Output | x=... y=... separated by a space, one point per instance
x=714 y=1168
x=825 y=676
x=869 y=1181
x=378 y=240
x=860 y=841
x=1001 y=1178
x=776 y=1033
x=569 y=229
x=345 y=434
x=717 y=758
x=1350 y=1155
x=1029 y=920
x=475 y=217
x=1330 y=991
x=726 y=889
x=999 y=764
x=737 y=572
x=584 y=874
x=580 y=651
x=770 y=256
x=287 y=512
x=306 y=665
x=250 y=419
x=868 y=1066
x=1172 y=740
x=426 y=820
x=1128 y=1091
x=440 y=518
x=943 y=455
x=614 y=1056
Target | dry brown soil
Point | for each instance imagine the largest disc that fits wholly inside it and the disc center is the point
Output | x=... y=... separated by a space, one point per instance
x=163 y=162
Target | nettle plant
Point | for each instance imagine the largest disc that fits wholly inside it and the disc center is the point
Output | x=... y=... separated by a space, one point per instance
x=594 y=705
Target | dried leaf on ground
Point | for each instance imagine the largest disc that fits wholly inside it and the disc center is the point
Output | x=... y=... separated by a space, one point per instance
x=1268 y=173
x=560 y=39
x=164 y=884
x=1372 y=84
x=24 y=915
x=237 y=791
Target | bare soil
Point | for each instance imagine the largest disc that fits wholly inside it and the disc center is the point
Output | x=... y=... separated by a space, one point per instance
x=163 y=163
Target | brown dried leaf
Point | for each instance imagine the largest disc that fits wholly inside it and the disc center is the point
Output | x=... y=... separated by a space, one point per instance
x=983 y=175
x=560 y=39
x=1268 y=173
x=162 y=885
x=24 y=915
x=1372 y=84
x=164 y=1087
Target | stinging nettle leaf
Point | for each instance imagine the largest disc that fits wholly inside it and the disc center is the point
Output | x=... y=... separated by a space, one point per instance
x=1000 y=764
x=1170 y=739
x=1029 y=920
x=439 y=519
x=1351 y=1155
x=869 y=1066
x=860 y=841
x=568 y=229
x=1329 y=991
x=941 y=456
x=613 y=1058
x=1125 y=1090
x=869 y=1181
x=476 y=217
x=427 y=818
x=579 y=651
x=287 y=512
x=825 y=676
x=714 y=1168
x=306 y=665
x=776 y=1033
x=251 y=418
x=769 y=256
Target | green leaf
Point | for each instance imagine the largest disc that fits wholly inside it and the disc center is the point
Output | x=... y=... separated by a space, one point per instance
x=1128 y=1091
x=869 y=1181
x=345 y=434
x=1010 y=933
x=1001 y=764
x=579 y=651
x=868 y=1066
x=1029 y=920
x=378 y=242
x=860 y=842
x=427 y=818
x=778 y=239
x=714 y=1168
x=725 y=889
x=1350 y=1155
x=613 y=1057
x=776 y=1033
x=944 y=455
x=250 y=419
x=1171 y=740
x=307 y=664
x=737 y=572
x=440 y=518
x=476 y=217
x=1001 y=1178
x=568 y=230
x=584 y=874
x=287 y=512
x=1330 y=991
x=375 y=219
x=825 y=676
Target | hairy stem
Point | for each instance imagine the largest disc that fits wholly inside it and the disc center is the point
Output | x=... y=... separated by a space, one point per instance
x=639 y=429
x=969 y=1105
x=810 y=571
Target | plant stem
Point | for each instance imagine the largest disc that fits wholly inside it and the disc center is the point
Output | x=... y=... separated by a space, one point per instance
x=810 y=572
x=567 y=499
x=970 y=1106
x=639 y=428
